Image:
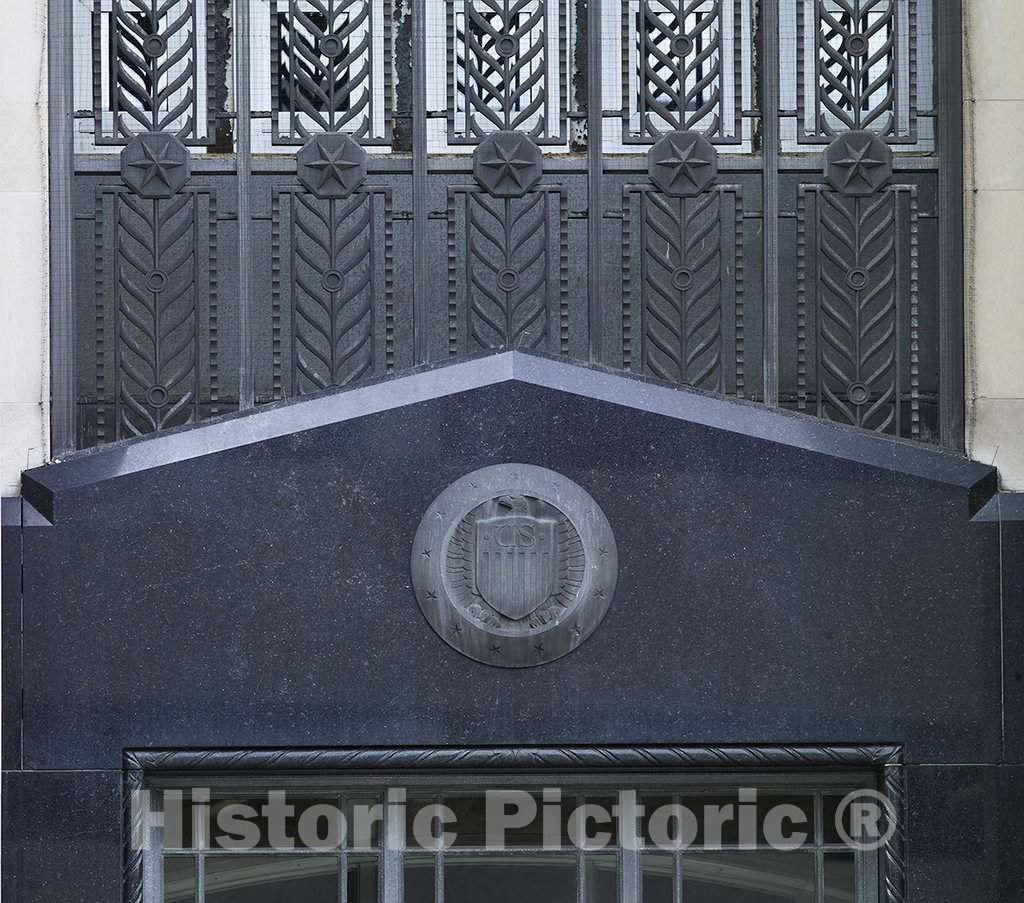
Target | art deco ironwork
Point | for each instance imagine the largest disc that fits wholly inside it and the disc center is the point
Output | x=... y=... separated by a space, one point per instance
x=863 y=68
x=683 y=164
x=507 y=69
x=508 y=164
x=331 y=166
x=148 y=53
x=683 y=68
x=155 y=165
x=324 y=59
x=514 y=565
x=687 y=235
x=858 y=164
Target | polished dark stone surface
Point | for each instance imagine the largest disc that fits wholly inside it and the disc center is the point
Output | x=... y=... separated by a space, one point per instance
x=246 y=584
x=61 y=837
x=767 y=593
x=10 y=632
x=1013 y=626
x=334 y=406
x=966 y=829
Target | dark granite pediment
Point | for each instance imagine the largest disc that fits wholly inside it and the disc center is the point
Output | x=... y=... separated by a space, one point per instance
x=247 y=582
x=513 y=369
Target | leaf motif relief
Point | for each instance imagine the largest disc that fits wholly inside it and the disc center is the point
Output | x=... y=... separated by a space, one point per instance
x=681 y=66
x=500 y=70
x=682 y=300
x=857 y=310
x=152 y=69
x=507 y=270
x=857 y=65
x=324 y=76
x=332 y=291
x=156 y=314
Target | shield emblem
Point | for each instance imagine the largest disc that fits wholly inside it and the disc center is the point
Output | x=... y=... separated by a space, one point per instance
x=516 y=562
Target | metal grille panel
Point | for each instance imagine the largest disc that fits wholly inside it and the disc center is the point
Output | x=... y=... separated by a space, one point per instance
x=267 y=198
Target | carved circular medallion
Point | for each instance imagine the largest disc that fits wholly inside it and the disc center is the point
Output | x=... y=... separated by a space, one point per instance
x=155 y=45
x=157 y=396
x=156 y=165
x=857 y=278
x=858 y=394
x=156 y=281
x=332 y=165
x=333 y=280
x=331 y=46
x=682 y=278
x=682 y=45
x=858 y=163
x=514 y=565
x=507 y=279
x=507 y=45
x=856 y=44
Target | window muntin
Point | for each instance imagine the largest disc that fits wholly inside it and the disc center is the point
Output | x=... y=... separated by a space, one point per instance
x=392 y=867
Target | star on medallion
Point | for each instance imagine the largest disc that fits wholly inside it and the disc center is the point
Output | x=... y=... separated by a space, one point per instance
x=456 y=629
x=331 y=165
x=425 y=553
x=858 y=163
x=496 y=648
x=683 y=164
x=155 y=165
x=508 y=164
x=432 y=594
x=538 y=648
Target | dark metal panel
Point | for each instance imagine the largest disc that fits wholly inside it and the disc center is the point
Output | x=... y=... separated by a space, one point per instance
x=595 y=204
x=420 y=210
x=62 y=285
x=733 y=116
x=243 y=157
x=770 y=140
x=949 y=50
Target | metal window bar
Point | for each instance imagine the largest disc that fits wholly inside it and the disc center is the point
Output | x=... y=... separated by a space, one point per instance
x=392 y=852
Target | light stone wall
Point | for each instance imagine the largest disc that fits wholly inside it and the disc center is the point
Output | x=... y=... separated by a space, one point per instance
x=994 y=127
x=994 y=120
x=24 y=331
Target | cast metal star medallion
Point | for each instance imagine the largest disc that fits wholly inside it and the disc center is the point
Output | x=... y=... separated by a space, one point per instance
x=155 y=165
x=508 y=164
x=683 y=164
x=858 y=163
x=331 y=165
